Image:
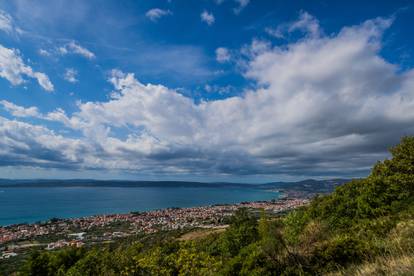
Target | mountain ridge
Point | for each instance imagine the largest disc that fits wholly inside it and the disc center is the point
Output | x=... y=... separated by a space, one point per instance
x=309 y=185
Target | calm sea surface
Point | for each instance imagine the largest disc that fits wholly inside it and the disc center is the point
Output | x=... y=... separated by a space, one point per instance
x=19 y=205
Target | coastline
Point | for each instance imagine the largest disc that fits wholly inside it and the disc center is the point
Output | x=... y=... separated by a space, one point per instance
x=39 y=204
x=57 y=233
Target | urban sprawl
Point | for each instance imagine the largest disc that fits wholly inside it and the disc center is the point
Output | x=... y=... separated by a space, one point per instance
x=58 y=233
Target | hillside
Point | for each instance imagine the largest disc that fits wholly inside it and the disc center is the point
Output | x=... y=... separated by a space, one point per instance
x=365 y=227
x=306 y=188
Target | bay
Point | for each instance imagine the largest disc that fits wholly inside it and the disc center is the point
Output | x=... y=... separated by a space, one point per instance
x=33 y=204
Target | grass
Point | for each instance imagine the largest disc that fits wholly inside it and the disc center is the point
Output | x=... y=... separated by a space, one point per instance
x=200 y=233
x=391 y=265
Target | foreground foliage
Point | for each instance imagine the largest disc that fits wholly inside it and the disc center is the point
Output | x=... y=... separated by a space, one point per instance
x=366 y=227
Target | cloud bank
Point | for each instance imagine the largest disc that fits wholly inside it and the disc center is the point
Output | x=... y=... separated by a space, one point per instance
x=324 y=105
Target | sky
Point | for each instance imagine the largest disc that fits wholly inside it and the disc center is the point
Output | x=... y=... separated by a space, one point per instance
x=208 y=90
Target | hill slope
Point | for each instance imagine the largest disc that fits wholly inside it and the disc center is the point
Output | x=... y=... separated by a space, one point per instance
x=364 y=227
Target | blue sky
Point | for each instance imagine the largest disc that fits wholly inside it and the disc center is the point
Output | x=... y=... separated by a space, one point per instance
x=230 y=90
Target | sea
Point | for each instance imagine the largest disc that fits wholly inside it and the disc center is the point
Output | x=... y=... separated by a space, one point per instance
x=34 y=204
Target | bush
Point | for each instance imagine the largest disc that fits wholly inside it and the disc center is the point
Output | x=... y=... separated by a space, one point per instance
x=339 y=251
x=365 y=220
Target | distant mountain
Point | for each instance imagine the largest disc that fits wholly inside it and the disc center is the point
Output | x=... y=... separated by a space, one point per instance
x=111 y=183
x=309 y=185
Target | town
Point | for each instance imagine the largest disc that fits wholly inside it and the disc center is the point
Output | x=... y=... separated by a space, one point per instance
x=58 y=233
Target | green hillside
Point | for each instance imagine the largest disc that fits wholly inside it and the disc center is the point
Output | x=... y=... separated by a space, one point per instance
x=364 y=227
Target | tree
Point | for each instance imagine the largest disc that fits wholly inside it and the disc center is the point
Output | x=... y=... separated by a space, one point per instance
x=241 y=232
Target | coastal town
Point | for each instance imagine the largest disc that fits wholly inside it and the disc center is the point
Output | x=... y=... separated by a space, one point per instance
x=58 y=233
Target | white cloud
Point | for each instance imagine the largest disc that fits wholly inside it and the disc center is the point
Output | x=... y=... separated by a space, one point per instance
x=277 y=32
x=70 y=75
x=7 y=24
x=222 y=55
x=44 y=53
x=57 y=115
x=13 y=69
x=324 y=105
x=306 y=23
x=71 y=47
x=207 y=18
x=241 y=5
x=222 y=90
x=155 y=14
x=43 y=81
x=74 y=48
x=19 y=111
x=23 y=144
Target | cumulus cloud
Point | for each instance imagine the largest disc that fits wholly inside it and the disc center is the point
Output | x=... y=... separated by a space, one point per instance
x=57 y=115
x=19 y=111
x=74 y=48
x=306 y=23
x=155 y=14
x=324 y=105
x=13 y=69
x=70 y=75
x=207 y=18
x=23 y=144
x=222 y=55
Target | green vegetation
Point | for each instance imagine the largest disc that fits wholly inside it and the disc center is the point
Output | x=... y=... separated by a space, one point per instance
x=365 y=227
